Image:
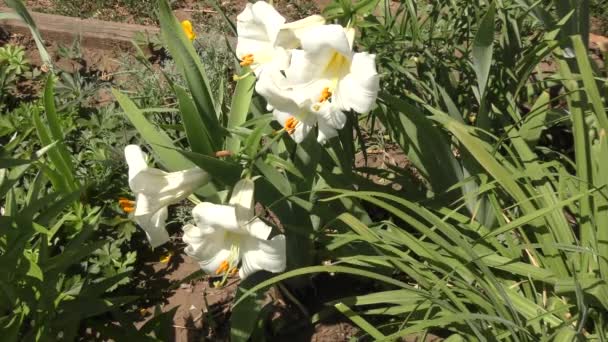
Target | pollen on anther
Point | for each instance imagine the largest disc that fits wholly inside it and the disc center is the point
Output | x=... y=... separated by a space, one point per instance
x=247 y=60
x=126 y=205
x=290 y=124
x=223 y=267
x=325 y=94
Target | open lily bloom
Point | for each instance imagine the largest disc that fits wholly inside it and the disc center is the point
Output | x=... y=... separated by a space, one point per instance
x=155 y=189
x=325 y=77
x=258 y=28
x=297 y=122
x=225 y=235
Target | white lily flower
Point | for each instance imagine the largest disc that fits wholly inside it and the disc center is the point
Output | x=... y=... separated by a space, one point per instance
x=226 y=235
x=325 y=77
x=154 y=190
x=259 y=27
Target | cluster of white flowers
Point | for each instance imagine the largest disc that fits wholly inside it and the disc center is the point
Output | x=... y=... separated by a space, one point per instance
x=223 y=235
x=306 y=70
x=309 y=75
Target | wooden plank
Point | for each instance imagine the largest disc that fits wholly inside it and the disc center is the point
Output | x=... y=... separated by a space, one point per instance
x=90 y=32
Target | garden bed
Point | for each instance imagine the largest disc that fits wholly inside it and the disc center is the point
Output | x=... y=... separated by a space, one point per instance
x=380 y=159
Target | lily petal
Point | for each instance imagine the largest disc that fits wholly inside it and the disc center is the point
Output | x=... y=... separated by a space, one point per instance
x=289 y=35
x=257 y=28
x=323 y=48
x=154 y=188
x=207 y=246
x=217 y=217
x=259 y=229
x=154 y=226
x=326 y=132
x=302 y=128
x=242 y=201
x=358 y=90
x=273 y=87
x=320 y=38
x=136 y=160
x=331 y=115
x=260 y=255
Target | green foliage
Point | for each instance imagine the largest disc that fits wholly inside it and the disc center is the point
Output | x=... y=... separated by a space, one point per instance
x=20 y=12
x=62 y=239
x=12 y=65
x=519 y=255
x=499 y=234
x=46 y=235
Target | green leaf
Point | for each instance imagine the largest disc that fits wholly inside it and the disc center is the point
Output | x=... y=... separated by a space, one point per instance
x=34 y=271
x=188 y=62
x=594 y=287
x=196 y=131
x=252 y=143
x=359 y=321
x=565 y=334
x=320 y=269
x=241 y=100
x=158 y=140
x=226 y=172
x=22 y=12
x=535 y=121
x=66 y=168
x=245 y=316
x=589 y=81
x=61 y=182
x=413 y=130
x=483 y=49
x=5 y=163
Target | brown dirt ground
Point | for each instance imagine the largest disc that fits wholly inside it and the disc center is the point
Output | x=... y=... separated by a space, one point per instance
x=203 y=311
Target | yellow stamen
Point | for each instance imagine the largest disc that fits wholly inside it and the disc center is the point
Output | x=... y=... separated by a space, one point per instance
x=166 y=258
x=126 y=205
x=188 y=29
x=290 y=124
x=247 y=60
x=224 y=266
x=233 y=271
x=325 y=94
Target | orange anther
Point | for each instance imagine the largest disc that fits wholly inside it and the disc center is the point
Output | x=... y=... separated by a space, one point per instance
x=223 y=153
x=224 y=266
x=126 y=205
x=247 y=60
x=325 y=95
x=290 y=124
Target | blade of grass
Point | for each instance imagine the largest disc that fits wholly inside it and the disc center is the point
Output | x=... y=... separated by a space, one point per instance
x=159 y=141
x=188 y=62
x=359 y=321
